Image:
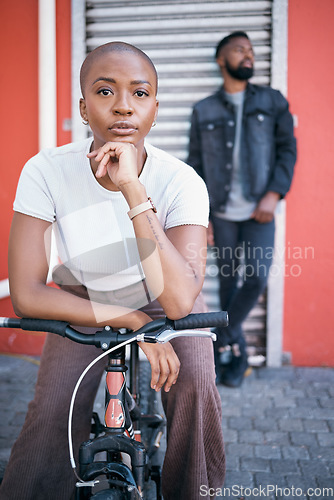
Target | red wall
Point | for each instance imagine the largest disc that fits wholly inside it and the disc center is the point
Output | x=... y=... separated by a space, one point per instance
x=18 y=128
x=63 y=41
x=18 y=104
x=309 y=309
x=19 y=124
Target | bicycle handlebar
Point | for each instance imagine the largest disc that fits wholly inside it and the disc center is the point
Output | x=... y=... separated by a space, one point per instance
x=160 y=330
x=202 y=320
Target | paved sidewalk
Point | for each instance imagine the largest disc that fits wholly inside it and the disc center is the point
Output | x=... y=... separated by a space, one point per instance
x=278 y=429
x=279 y=433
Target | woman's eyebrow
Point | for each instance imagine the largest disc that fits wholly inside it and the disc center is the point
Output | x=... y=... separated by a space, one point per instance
x=112 y=80
x=104 y=79
x=138 y=82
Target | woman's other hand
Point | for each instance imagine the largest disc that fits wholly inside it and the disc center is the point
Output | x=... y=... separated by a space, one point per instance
x=165 y=364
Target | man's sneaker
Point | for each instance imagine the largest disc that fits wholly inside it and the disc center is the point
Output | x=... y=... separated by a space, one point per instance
x=234 y=373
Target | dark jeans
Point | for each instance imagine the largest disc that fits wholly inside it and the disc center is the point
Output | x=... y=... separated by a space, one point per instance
x=244 y=251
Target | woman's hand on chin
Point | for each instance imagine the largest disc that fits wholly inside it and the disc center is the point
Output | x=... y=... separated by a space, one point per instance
x=118 y=160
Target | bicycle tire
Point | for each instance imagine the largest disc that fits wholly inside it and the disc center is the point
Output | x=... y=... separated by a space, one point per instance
x=150 y=400
x=150 y=404
x=114 y=494
x=144 y=386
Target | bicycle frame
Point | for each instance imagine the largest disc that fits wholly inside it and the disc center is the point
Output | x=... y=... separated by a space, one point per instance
x=113 y=441
x=121 y=411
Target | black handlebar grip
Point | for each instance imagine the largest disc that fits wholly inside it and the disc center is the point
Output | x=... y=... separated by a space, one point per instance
x=202 y=320
x=44 y=325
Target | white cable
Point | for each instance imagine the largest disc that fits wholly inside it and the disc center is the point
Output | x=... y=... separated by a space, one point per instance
x=70 y=415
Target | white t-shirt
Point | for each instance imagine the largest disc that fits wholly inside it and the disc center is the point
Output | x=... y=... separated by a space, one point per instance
x=94 y=235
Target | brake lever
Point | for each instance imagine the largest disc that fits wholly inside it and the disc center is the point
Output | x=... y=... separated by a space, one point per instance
x=167 y=333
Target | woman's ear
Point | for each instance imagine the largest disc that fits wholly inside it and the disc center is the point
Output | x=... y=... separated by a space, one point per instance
x=83 y=112
x=156 y=110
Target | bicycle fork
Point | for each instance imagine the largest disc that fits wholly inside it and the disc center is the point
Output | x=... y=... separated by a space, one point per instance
x=114 y=441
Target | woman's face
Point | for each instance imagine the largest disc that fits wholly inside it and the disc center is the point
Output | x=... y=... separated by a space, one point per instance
x=120 y=98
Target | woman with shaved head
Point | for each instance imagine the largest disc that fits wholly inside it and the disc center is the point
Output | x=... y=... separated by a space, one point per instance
x=130 y=224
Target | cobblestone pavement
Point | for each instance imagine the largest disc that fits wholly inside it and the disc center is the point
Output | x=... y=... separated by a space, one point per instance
x=279 y=434
x=278 y=429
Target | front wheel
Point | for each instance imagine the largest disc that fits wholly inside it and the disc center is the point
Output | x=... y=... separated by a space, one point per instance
x=110 y=495
x=115 y=494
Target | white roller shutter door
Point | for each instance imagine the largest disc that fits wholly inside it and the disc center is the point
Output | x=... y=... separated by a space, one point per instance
x=180 y=37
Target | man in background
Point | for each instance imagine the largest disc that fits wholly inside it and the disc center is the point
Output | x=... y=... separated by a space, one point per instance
x=242 y=144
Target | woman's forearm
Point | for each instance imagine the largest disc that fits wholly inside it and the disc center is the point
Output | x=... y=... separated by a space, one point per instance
x=172 y=275
x=46 y=302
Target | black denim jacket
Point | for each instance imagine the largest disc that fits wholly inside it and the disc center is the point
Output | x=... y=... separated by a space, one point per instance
x=268 y=145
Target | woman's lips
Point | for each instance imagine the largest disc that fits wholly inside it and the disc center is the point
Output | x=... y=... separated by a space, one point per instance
x=123 y=128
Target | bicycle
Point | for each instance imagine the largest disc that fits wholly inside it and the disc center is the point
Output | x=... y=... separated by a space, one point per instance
x=127 y=429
